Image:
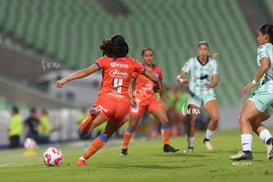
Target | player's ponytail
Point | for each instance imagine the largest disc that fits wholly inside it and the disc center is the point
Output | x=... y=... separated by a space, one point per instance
x=114 y=47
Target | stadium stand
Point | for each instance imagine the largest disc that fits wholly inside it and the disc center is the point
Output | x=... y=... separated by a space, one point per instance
x=71 y=32
x=269 y=5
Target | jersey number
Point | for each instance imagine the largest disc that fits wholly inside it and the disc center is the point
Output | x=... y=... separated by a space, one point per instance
x=117 y=83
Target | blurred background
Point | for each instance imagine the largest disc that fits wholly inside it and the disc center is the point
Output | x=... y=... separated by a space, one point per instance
x=45 y=40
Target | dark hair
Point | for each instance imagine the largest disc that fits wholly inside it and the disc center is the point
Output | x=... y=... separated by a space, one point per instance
x=33 y=110
x=267 y=29
x=203 y=43
x=114 y=47
x=143 y=51
x=15 y=109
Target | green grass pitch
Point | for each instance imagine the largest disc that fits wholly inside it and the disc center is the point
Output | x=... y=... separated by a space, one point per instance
x=145 y=162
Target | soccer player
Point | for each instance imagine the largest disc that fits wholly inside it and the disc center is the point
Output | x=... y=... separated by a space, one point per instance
x=259 y=107
x=113 y=103
x=203 y=78
x=145 y=98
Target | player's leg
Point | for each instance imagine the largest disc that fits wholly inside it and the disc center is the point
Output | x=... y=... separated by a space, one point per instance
x=84 y=129
x=100 y=141
x=161 y=115
x=263 y=132
x=212 y=109
x=191 y=125
x=248 y=114
x=133 y=121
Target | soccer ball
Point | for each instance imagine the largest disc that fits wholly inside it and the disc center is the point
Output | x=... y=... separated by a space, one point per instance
x=53 y=156
x=30 y=144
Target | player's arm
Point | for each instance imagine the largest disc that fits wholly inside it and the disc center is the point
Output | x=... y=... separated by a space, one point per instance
x=262 y=70
x=180 y=77
x=131 y=90
x=154 y=79
x=80 y=74
x=214 y=82
x=161 y=92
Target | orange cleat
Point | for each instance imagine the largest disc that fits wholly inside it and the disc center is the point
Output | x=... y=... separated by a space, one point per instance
x=81 y=163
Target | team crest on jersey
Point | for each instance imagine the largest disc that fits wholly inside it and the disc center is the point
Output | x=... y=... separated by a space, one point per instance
x=157 y=74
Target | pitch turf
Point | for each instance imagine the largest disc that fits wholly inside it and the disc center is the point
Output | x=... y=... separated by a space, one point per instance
x=145 y=162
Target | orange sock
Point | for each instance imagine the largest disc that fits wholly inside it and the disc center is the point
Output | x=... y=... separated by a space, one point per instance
x=95 y=146
x=85 y=125
x=127 y=137
x=165 y=132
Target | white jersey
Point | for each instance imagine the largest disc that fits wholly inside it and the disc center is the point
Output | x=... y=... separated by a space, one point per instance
x=200 y=74
x=266 y=51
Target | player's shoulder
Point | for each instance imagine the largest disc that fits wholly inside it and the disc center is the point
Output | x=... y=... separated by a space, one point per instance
x=156 y=67
x=212 y=60
x=265 y=47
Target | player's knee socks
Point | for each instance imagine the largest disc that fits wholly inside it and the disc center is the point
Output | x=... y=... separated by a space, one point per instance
x=246 y=140
x=127 y=137
x=95 y=146
x=191 y=142
x=209 y=134
x=165 y=132
x=265 y=135
x=85 y=126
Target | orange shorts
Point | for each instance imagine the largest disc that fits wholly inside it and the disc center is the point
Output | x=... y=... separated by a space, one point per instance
x=113 y=109
x=149 y=106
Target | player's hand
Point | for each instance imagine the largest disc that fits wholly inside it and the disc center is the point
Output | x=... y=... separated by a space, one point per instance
x=60 y=83
x=182 y=81
x=208 y=85
x=156 y=88
x=246 y=88
x=132 y=102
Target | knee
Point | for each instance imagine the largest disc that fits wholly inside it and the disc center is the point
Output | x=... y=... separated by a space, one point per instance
x=215 y=118
x=165 y=121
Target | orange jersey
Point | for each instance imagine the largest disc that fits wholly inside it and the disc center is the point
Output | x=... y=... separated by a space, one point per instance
x=144 y=87
x=116 y=75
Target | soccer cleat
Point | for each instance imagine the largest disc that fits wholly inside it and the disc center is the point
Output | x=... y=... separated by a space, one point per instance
x=168 y=148
x=242 y=155
x=188 y=150
x=207 y=144
x=81 y=162
x=269 y=146
x=123 y=152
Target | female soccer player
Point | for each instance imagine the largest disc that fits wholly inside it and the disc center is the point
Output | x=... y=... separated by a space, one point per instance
x=113 y=103
x=145 y=98
x=259 y=107
x=203 y=78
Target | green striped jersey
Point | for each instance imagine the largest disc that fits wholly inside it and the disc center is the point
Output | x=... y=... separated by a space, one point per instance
x=200 y=74
x=266 y=50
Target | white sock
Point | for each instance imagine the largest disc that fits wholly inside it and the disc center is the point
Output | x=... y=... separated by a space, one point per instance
x=265 y=135
x=246 y=141
x=83 y=159
x=190 y=141
x=209 y=134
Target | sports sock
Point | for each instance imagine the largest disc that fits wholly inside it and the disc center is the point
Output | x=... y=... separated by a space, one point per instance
x=85 y=125
x=209 y=134
x=191 y=142
x=265 y=135
x=127 y=137
x=246 y=140
x=95 y=146
x=165 y=132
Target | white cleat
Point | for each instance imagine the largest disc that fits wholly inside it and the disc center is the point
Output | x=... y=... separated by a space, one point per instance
x=188 y=150
x=269 y=151
x=208 y=145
